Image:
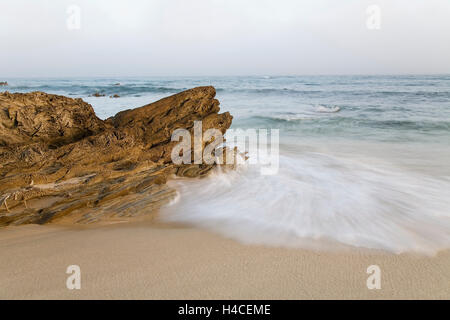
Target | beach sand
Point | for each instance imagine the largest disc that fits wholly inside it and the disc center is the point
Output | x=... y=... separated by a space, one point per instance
x=161 y=261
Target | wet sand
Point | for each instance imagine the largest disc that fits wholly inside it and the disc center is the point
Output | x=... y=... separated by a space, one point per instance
x=159 y=261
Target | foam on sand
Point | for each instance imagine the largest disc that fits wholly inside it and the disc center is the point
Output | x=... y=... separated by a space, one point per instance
x=321 y=197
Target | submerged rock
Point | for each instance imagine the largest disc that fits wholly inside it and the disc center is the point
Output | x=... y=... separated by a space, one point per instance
x=60 y=162
x=98 y=94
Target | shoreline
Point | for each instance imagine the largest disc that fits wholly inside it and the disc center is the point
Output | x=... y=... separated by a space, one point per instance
x=153 y=260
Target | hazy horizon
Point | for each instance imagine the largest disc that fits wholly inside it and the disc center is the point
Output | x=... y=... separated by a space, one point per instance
x=124 y=76
x=222 y=38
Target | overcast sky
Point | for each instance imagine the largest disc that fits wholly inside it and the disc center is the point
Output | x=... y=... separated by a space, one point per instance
x=222 y=37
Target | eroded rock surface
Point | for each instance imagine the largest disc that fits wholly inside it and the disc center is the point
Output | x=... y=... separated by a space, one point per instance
x=60 y=163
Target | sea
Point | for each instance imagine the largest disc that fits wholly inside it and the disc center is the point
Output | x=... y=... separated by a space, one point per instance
x=364 y=161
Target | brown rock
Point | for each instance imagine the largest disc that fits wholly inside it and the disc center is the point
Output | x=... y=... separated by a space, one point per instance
x=55 y=120
x=59 y=162
x=3 y=83
x=98 y=94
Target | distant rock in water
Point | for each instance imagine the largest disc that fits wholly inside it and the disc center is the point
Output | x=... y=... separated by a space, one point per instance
x=115 y=96
x=60 y=163
x=98 y=94
x=3 y=83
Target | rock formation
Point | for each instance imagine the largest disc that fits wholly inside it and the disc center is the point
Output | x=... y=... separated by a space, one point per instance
x=3 y=83
x=60 y=163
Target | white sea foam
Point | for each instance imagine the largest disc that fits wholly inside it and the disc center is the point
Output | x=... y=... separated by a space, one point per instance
x=323 y=109
x=318 y=196
x=292 y=117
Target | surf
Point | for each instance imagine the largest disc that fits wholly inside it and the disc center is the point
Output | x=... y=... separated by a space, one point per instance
x=317 y=199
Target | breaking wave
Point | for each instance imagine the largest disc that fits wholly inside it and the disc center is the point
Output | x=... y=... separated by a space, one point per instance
x=324 y=109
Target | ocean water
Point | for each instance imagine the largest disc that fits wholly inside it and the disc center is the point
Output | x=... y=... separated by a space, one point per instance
x=364 y=160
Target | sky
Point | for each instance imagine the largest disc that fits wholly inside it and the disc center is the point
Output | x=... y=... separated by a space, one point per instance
x=60 y=38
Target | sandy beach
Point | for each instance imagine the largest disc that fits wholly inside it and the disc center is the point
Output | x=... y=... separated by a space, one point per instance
x=224 y=150
x=148 y=260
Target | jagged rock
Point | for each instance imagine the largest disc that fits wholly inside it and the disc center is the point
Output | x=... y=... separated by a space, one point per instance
x=3 y=83
x=59 y=162
x=54 y=120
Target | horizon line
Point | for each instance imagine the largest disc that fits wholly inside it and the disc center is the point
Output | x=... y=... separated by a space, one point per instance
x=227 y=76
